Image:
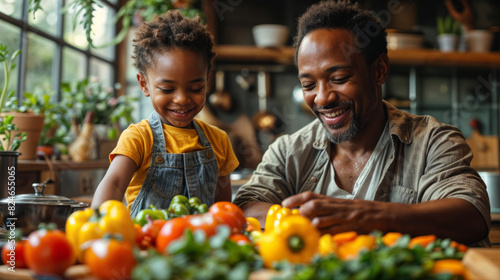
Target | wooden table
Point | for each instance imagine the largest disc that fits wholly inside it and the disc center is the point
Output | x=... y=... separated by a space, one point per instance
x=481 y=263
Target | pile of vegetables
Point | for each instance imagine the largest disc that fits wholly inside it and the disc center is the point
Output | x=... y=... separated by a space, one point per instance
x=192 y=241
x=291 y=245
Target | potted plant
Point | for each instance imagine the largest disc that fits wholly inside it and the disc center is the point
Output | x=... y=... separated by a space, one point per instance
x=10 y=137
x=448 y=34
x=56 y=126
x=109 y=112
x=30 y=117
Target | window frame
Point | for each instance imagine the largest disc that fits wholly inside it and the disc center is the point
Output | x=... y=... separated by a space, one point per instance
x=58 y=39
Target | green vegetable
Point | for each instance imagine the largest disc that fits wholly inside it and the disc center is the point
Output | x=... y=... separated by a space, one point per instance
x=179 y=209
x=153 y=212
x=195 y=257
x=181 y=206
x=194 y=201
x=384 y=262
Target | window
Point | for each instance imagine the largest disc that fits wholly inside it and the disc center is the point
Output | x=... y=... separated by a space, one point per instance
x=53 y=49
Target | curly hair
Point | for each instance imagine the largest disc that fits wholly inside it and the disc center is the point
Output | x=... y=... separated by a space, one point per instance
x=168 y=31
x=369 y=34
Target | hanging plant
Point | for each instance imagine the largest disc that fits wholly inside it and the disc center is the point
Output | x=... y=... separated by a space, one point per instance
x=144 y=9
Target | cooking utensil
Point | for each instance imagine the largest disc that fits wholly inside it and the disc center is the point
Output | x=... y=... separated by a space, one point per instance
x=26 y=211
x=484 y=148
x=220 y=99
x=263 y=120
x=492 y=181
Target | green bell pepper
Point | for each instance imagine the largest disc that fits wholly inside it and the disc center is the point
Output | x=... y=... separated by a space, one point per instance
x=153 y=212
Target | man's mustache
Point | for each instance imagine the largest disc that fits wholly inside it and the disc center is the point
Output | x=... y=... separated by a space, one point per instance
x=333 y=105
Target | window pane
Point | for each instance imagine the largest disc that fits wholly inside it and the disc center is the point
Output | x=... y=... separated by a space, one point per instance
x=40 y=63
x=12 y=8
x=10 y=38
x=74 y=67
x=103 y=30
x=102 y=70
x=73 y=31
x=46 y=18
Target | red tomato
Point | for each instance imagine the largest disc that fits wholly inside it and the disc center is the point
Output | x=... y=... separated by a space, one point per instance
x=240 y=239
x=108 y=258
x=205 y=222
x=152 y=228
x=170 y=231
x=49 y=252
x=230 y=214
x=13 y=254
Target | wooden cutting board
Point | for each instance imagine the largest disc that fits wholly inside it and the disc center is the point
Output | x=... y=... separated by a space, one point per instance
x=485 y=150
x=82 y=272
x=75 y=272
x=482 y=263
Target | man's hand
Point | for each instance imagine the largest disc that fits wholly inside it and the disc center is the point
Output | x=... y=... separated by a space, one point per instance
x=334 y=215
x=447 y=218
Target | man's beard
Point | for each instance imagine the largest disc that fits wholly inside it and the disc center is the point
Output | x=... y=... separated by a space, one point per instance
x=351 y=132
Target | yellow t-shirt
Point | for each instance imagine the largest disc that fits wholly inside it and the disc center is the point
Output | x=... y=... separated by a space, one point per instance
x=136 y=143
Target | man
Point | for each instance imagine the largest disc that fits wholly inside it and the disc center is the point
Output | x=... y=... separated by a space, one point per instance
x=364 y=165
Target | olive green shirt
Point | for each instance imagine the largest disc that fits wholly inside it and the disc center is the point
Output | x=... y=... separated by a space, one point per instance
x=430 y=161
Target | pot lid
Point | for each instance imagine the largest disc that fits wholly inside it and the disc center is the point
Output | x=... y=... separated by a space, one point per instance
x=43 y=199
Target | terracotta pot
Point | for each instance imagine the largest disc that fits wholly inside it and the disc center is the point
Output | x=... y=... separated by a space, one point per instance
x=32 y=124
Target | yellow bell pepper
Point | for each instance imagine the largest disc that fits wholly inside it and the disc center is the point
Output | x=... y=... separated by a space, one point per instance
x=276 y=214
x=253 y=224
x=74 y=223
x=326 y=245
x=294 y=239
x=112 y=217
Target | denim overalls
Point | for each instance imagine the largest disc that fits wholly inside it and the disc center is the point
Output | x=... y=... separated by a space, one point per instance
x=192 y=174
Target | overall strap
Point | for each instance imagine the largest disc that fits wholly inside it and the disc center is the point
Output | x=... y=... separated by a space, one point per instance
x=158 y=134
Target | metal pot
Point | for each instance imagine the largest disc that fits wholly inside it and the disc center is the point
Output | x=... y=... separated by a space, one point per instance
x=26 y=211
x=492 y=181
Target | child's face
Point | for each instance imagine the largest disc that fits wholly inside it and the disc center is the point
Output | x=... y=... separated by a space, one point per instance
x=177 y=85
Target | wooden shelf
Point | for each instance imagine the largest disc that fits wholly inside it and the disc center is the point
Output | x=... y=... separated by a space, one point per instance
x=420 y=57
x=252 y=54
x=40 y=165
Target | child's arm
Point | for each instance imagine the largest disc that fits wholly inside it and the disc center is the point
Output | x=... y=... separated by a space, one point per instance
x=224 y=190
x=116 y=180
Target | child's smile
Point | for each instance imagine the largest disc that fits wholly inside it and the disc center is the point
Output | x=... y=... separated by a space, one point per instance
x=176 y=84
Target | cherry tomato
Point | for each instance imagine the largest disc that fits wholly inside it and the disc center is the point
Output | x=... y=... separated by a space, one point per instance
x=108 y=258
x=152 y=228
x=240 y=239
x=230 y=214
x=170 y=231
x=205 y=222
x=49 y=252
x=13 y=254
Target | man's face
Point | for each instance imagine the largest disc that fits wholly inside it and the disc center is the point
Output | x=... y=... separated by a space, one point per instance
x=338 y=85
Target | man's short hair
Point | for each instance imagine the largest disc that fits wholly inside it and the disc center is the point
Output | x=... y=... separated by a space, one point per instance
x=369 y=34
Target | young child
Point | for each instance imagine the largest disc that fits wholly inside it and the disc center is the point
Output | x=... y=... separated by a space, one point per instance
x=170 y=153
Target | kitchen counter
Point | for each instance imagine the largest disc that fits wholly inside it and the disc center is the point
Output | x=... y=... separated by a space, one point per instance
x=482 y=264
